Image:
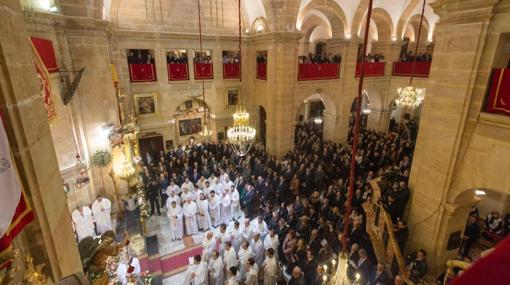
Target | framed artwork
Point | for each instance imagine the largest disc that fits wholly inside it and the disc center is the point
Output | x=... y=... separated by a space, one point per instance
x=189 y=104
x=232 y=97
x=190 y=126
x=146 y=104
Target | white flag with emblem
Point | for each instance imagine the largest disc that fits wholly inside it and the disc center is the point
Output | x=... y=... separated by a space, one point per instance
x=10 y=190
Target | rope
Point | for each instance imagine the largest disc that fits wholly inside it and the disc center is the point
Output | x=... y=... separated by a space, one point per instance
x=201 y=54
x=417 y=43
x=355 y=138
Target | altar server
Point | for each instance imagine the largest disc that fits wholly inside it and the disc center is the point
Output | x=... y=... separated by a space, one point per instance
x=235 y=206
x=196 y=274
x=214 y=208
x=204 y=220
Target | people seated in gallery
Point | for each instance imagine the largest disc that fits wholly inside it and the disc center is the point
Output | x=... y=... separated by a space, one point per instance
x=372 y=57
x=320 y=58
x=417 y=265
x=410 y=56
x=493 y=227
x=172 y=58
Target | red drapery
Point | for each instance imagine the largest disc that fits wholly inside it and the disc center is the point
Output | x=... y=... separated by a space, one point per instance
x=142 y=72
x=231 y=70
x=499 y=92
x=262 y=71
x=178 y=71
x=421 y=69
x=318 y=71
x=371 y=69
x=203 y=70
x=46 y=52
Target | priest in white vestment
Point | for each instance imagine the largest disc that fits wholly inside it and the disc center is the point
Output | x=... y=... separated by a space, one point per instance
x=272 y=241
x=83 y=222
x=214 y=209
x=187 y=184
x=102 y=209
x=247 y=233
x=225 y=208
x=204 y=220
x=270 y=268
x=252 y=274
x=173 y=187
x=185 y=195
x=208 y=245
x=175 y=213
x=229 y=255
x=189 y=210
x=232 y=276
x=243 y=255
x=216 y=269
x=171 y=198
x=235 y=206
x=196 y=274
x=261 y=227
x=257 y=248
x=236 y=236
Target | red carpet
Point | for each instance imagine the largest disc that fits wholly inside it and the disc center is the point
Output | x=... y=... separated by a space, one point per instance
x=170 y=264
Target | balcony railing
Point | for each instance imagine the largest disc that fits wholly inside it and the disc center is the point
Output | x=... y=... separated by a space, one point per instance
x=372 y=69
x=203 y=70
x=421 y=68
x=141 y=72
x=178 y=71
x=318 y=71
x=261 y=71
x=231 y=70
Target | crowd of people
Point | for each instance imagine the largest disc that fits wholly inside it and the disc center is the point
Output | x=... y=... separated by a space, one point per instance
x=293 y=207
x=410 y=56
x=94 y=220
x=320 y=58
x=202 y=58
x=231 y=58
x=140 y=57
x=261 y=58
x=174 y=57
x=376 y=57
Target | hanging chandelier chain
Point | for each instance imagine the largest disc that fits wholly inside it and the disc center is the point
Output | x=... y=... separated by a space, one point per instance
x=356 y=130
x=417 y=42
x=205 y=123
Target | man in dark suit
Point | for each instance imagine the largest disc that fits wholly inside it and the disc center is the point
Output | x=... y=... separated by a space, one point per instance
x=379 y=276
x=153 y=193
x=471 y=235
x=364 y=267
x=314 y=244
x=249 y=201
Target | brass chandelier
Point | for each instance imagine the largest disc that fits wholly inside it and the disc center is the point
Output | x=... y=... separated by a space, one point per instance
x=241 y=135
x=410 y=97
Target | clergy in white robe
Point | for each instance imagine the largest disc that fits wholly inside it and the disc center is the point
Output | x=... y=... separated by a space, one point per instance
x=242 y=256
x=175 y=213
x=272 y=241
x=257 y=248
x=261 y=227
x=204 y=220
x=172 y=197
x=229 y=255
x=208 y=245
x=225 y=208
x=270 y=268
x=128 y=268
x=218 y=187
x=235 y=206
x=247 y=233
x=187 y=184
x=224 y=178
x=189 y=210
x=196 y=274
x=232 y=276
x=83 y=222
x=185 y=195
x=173 y=187
x=214 y=209
x=215 y=269
x=236 y=236
x=252 y=274
x=101 y=209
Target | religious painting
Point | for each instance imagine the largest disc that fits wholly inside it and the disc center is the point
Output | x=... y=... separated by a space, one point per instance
x=190 y=126
x=142 y=67
x=232 y=97
x=146 y=104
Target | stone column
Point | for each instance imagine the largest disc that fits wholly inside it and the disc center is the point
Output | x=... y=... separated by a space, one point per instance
x=50 y=238
x=460 y=37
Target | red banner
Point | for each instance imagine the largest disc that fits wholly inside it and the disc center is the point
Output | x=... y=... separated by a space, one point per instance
x=203 y=71
x=231 y=70
x=46 y=52
x=499 y=93
x=177 y=71
x=262 y=71
x=46 y=92
x=142 y=72
x=371 y=69
x=318 y=71
x=22 y=217
x=421 y=68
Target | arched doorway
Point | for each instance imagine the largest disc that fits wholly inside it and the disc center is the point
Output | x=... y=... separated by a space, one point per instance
x=399 y=115
x=189 y=120
x=312 y=111
x=365 y=111
x=262 y=124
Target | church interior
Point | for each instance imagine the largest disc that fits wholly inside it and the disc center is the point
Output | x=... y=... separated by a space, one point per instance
x=254 y=142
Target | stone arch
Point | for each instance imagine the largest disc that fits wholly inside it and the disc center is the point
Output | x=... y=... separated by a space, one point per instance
x=310 y=23
x=259 y=25
x=404 y=17
x=329 y=115
x=414 y=24
x=384 y=24
x=334 y=13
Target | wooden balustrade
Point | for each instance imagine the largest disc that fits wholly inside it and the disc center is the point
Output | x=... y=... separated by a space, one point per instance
x=380 y=230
